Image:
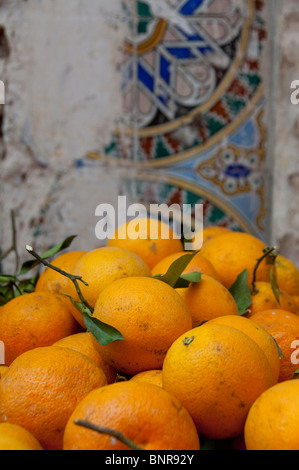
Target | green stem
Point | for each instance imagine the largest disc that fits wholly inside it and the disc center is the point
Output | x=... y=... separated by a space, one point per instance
x=72 y=277
x=111 y=432
x=267 y=252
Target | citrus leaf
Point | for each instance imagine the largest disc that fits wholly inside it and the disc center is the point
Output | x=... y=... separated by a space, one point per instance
x=185 y=280
x=296 y=374
x=174 y=273
x=28 y=265
x=5 y=279
x=274 y=284
x=103 y=333
x=241 y=292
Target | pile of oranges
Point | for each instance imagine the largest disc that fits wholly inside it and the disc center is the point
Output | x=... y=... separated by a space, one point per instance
x=189 y=369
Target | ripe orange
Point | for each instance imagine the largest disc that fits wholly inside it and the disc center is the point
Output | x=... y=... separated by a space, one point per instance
x=83 y=343
x=234 y=252
x=259 y=335
x=296 y=299
x=272 y=423
x=217 y=372
x=213 y=231
x=142 y=412
x=34 y=320
x=208 y=299
x=149 y=314
x=3 y=370
x=52 y=281
x=198 y=264
x=149 y=376
x=284 y=327
x=287 y=275
x=13 y=437
x=150 y=239
x=264 y=299
x=100 y=267
x=42 y=388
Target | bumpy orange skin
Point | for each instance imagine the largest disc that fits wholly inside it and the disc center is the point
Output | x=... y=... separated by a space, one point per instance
x=42 y=388
x=13 y=437
x=198 y=264
x=153 y=377
x=52 y=281
x=83 y=343
x=144 y=413
x=212 y=232
x=272 y=423
x=284 y=327
x=217 y=372
x=287 y=275
x=234 y=252
x=149 y=314
x=100 y=267
x=3 y=370
x=207 y=300
x=264 y=299
x=259 y=335
x=152 y=248
x=34 y=320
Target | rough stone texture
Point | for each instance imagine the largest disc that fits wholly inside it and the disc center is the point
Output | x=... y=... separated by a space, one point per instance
x=56 y=111
x=285 y=225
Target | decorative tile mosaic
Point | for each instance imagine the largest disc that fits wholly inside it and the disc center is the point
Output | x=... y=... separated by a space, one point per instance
x=193 y=124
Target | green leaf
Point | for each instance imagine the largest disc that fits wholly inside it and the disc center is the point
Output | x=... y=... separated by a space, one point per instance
x=185 y=280
x=274 y=284
x=241 y=292
x=296 y=374
x=28 y=265
x=103 y=333
x=174 y=273
x=5 y=279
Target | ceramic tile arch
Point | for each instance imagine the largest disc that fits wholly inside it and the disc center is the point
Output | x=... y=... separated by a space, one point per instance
x=194 y=108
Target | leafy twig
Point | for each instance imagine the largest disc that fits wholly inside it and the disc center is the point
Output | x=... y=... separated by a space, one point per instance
x=72 y=277
x=111 y=432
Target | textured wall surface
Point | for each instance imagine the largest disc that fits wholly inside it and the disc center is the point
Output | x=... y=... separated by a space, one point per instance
x=286 y=171
x=67 y=75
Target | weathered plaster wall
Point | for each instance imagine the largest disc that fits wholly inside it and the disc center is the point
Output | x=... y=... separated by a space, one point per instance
x=62 y=97
x=285 y=225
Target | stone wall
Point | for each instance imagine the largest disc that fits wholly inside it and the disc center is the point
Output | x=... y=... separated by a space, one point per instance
x=61 y=62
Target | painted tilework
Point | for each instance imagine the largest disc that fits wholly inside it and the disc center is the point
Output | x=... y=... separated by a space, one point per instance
x=193 y=124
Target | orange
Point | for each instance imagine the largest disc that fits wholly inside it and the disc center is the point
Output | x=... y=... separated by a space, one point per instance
x=150 y=239
x=3 y=370
x=13 y=437
x=213 y=231
x=144 y=413
x=234 y=252
x=287 y=275
x=217 y=372
x=150 y=376
x=52 y=281
x=208 y=299
x=296 y=299
x=100 y=267
x=284 y=327
x=259 y=335
x=83 y=343
x=198 y=264
x=34 y=320
x=272 y=423
x=264 y=299
x=149 y=314
x=42 y=388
